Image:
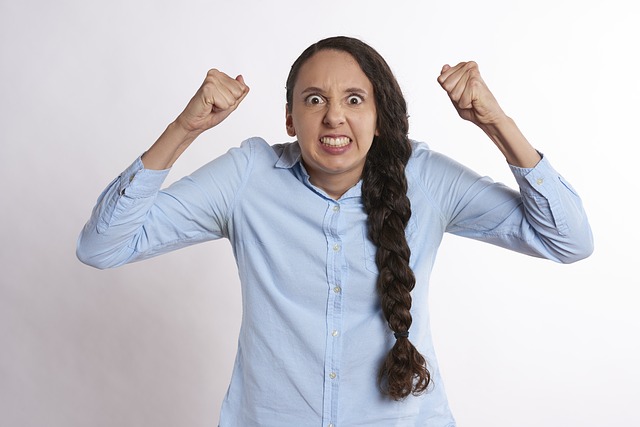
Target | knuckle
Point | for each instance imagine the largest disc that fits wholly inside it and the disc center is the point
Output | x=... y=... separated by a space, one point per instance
x=472 y=68
x=214 y=75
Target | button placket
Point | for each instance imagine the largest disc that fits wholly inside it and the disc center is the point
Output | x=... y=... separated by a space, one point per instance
x=336 y=268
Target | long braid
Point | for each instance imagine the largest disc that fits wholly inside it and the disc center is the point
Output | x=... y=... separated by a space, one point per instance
x=384 y=194
x=384 y=189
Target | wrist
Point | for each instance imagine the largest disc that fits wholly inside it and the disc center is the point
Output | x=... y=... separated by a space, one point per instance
x=181 y=130
x=498 y=126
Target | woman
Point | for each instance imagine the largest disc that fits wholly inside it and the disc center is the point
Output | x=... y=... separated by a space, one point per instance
x=335 y=234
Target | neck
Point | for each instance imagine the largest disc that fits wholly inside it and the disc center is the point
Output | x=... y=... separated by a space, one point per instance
x=335 y=185
x=334 y=188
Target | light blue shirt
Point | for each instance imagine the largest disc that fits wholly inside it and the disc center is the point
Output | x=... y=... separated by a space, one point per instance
x=313 y=335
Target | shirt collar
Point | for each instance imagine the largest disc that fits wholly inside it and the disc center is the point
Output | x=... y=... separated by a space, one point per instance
x=290 y=156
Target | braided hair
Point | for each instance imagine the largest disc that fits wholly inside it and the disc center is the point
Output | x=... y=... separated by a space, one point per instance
x=384 y=194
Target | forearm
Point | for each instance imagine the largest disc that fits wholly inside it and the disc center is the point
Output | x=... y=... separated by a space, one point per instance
x=506 y=135
x=169 y=146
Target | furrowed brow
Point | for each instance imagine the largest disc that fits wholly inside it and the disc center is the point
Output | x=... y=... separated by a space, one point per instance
x=312 y=89
x=357 y=90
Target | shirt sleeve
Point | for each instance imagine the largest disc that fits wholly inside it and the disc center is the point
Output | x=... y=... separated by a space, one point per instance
x=544 y=219
x=134 y=219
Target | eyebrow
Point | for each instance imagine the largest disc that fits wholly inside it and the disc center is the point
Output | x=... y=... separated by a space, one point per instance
x=314 y=89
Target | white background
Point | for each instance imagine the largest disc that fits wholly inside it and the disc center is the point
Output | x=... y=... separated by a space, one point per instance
x=87 y=86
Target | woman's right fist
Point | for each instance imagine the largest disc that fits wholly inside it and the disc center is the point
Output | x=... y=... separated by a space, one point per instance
x=218 y=97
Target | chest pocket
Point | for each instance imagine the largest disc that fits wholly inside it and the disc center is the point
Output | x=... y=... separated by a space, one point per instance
x=370 y=249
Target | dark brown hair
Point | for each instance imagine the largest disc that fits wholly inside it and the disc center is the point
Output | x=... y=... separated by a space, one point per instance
x=384 y=194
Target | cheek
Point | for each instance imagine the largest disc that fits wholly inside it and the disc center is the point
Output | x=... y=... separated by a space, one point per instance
x=369 y=126
x=368 y=122
x=304 y=123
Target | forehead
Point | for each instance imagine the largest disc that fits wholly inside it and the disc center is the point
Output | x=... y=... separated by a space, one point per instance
x=332 y=70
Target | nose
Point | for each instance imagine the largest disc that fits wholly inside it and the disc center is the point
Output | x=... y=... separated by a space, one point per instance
x=334 y=115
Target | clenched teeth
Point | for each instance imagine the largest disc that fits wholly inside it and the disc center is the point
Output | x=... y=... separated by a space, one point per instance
x=335 y=142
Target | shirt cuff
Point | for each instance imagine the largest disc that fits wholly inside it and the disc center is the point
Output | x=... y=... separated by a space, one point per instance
x=537 y=179
x=138 y=182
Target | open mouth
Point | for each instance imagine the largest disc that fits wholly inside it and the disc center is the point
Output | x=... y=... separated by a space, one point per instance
x=335 y=142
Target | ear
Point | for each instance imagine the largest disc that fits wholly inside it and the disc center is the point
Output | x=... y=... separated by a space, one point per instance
x=291 y=131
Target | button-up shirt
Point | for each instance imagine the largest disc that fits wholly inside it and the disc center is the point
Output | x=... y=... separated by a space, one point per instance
x=313 y=335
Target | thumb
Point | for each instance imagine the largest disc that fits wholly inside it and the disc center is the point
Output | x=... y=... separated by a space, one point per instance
x=445 y=67
x=240 y=79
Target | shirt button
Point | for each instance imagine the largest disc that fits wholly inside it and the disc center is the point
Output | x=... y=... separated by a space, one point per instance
x=336 y=208
x=332 y=375
x=334 y=333
x=539 y=181
x=336 y=247
x=337 y=289
x=330 y=425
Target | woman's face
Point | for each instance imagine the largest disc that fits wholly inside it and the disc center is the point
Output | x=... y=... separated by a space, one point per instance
x=333 y=115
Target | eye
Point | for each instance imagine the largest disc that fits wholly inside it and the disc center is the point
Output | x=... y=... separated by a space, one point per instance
x=314 y=100
x=354 y=100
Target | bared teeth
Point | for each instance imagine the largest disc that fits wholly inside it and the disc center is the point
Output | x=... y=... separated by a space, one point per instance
x=335 y=142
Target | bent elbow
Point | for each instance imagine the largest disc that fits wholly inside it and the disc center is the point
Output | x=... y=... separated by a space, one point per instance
x=89 y=254
x=90 y=259
x=580 y=249
x=578 y=255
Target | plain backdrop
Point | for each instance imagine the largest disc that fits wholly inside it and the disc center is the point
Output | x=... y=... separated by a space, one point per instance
x=86 y=86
